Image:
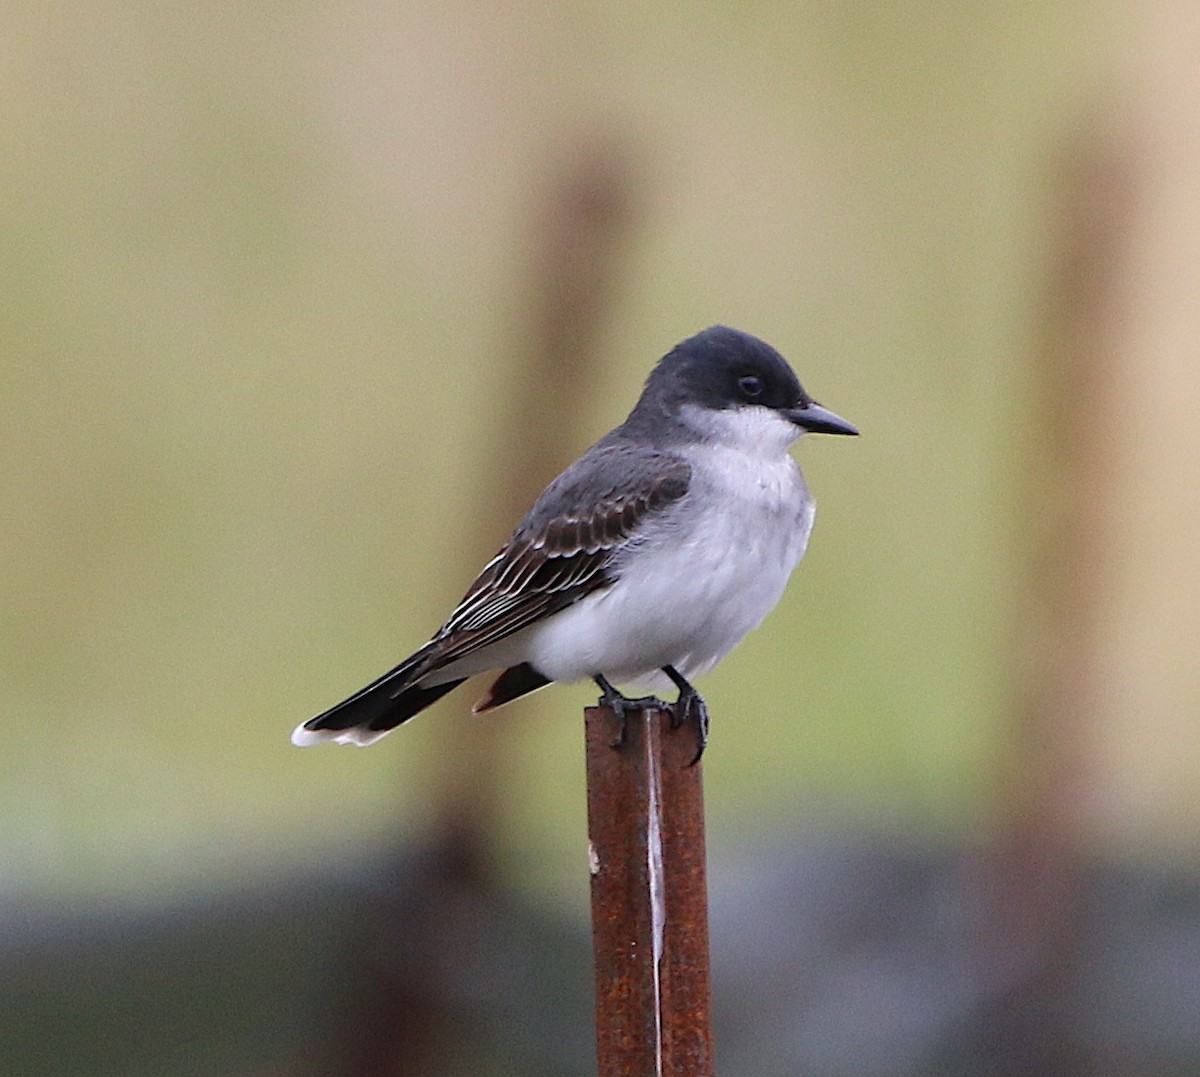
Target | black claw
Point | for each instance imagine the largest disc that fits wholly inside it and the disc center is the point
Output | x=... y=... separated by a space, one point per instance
x=689 y=707
x=621 y=705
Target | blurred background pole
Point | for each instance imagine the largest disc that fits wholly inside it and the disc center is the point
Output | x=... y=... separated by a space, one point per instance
x=649 y=897
x=579 y=236
x=1108 y=620
x=580 y=229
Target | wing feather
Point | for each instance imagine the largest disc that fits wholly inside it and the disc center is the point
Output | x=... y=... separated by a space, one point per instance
x=563 y=550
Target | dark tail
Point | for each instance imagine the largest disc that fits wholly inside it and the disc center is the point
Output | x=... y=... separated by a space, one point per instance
x=372 y=711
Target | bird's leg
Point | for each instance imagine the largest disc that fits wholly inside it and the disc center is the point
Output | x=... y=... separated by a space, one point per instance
x=689 y=707
x=620 y=705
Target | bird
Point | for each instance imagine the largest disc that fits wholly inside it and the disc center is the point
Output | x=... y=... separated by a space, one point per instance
x=644 y=563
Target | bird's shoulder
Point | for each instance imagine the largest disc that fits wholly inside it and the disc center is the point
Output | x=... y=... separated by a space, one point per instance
x=608 y=491
x=563 y=549
x=564 y=546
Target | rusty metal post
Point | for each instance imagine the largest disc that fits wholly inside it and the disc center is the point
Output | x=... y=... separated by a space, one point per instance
x=649 y=898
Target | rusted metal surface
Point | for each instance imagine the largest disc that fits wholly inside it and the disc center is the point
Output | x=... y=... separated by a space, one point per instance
x=649 y=898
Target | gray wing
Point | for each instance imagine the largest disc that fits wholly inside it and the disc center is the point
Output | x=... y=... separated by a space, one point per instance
x=565 y=546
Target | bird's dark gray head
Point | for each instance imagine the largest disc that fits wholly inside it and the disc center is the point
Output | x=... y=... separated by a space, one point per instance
x=723 y=369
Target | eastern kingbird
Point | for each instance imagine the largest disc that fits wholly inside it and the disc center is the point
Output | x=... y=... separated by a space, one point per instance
x=653 y=554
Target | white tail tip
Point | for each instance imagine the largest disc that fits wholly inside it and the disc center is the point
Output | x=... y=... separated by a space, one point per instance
x=360 y=738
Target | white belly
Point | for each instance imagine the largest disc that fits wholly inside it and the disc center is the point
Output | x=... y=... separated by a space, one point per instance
x=696 y=585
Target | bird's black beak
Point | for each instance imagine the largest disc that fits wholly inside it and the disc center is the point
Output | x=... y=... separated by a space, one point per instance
x=819 y=420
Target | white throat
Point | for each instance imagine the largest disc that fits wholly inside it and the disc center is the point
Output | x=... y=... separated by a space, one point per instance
x=751 y=429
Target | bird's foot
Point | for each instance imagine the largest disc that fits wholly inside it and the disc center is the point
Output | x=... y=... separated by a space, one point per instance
x=689 y=707
x=621 y=705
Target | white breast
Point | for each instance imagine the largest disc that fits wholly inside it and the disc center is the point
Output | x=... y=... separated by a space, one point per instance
x=701 y=578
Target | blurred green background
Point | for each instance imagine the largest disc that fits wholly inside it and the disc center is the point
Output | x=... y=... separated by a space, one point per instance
x=266 y=272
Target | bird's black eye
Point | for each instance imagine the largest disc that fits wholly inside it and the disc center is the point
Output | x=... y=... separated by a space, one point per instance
x=751 y=386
